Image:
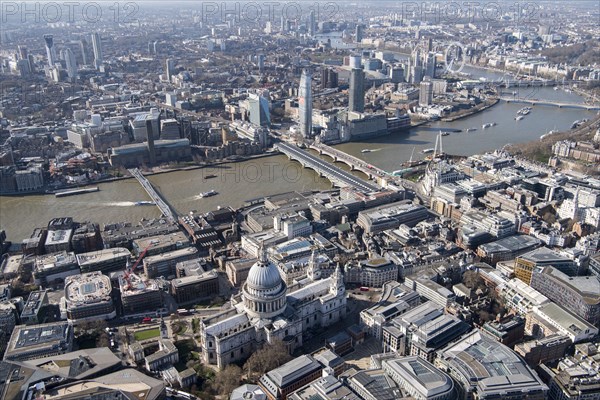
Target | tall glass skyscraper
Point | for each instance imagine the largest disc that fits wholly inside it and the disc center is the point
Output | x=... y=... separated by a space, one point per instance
x=71 y=64
x=97 y=45
x=356 y=98
x=305 y=104
x=50 y=50
x=259 y=110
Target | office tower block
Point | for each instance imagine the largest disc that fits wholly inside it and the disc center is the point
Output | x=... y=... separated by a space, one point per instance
x=23 y=54
x=359 y=33
x=259 y=110
x=305 y=104
x=355 y=61
x=50 y=49
x=429 y=69
x=85 y=53
x=426 y=92
x=312 y=23
x=150 y=141
x=97 y=45
x=170 y=68
x=71 y=64
x=324 y=78
x=356 y=100
x=332 y=78
x=261 y=62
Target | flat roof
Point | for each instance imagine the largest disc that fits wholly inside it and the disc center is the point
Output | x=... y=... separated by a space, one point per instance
x=491 y=366
x=58 y=260
x=91 y=287
x=511 y=243
x=421 y=314
x=102 y=255
x=376 y=383
x=158 y=241
x=12 y=264
x=60 y=236
x=25 y=337
x=192 y=279
x=135 y=285
x=170 y=255
x=77 y=364
x=130 y=381
x=420 y=374
x=34 y=303
x=293 y=370
x=544 y=255
x=565 y=319
x=588 y=287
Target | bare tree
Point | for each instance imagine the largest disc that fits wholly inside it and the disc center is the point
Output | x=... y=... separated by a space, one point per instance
x=227 y=380
x=269 y=357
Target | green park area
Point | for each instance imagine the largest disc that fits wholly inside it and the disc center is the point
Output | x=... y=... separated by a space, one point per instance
x=146 y=334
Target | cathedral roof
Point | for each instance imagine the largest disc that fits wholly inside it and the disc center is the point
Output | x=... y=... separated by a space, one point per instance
x=264 y=274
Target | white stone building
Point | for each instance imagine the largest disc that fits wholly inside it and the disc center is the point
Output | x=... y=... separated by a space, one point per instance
x=265 y=311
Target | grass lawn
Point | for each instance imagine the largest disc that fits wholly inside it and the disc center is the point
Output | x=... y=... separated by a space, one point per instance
x=146 y=334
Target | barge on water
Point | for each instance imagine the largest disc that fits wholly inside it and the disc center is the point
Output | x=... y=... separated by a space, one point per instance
x=73 y=192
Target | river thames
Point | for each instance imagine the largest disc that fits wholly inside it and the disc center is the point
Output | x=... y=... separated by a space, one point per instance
x=242 y=181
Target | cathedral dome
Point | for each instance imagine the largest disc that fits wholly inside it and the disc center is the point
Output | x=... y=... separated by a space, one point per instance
x=264 y=292
x=263 y=275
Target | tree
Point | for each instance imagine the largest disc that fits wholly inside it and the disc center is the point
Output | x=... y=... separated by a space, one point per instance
x=103 y=340
x=484 y=317
x=471 y=279
x=269 y=357
x=227 y=380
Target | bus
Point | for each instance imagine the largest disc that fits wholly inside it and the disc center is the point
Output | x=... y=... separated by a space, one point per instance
x=363 y=289
x=183 y=311
x=146 y=320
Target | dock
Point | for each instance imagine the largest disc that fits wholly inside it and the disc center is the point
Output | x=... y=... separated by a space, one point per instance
x=162 y=205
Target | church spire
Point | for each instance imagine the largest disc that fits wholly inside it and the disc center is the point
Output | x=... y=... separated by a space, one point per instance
x=313 y=271
x=337 y=281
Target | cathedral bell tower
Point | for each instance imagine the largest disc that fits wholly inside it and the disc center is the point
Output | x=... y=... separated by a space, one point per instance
x=337 y=282
x=313 y=271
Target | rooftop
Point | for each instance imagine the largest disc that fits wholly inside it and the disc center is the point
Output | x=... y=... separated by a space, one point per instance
x=491 y=367
x=376 y=383
x=190 y=280
x=60 y=236
x=170 y=255
x=545 y=256
x=77 y=364
x=91 y=287
x=292 y=370
x=130 y=382
x=566 y=320
x=133 y=285
x=511 y=243
x=53 y=260
x=34 y=302
x=102 y=256
x=419 y=373
x=26 y=337
x=327 y=387
x=587 y=286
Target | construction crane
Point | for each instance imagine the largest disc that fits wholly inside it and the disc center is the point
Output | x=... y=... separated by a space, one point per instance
x=141 y=256
x=129 y=268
